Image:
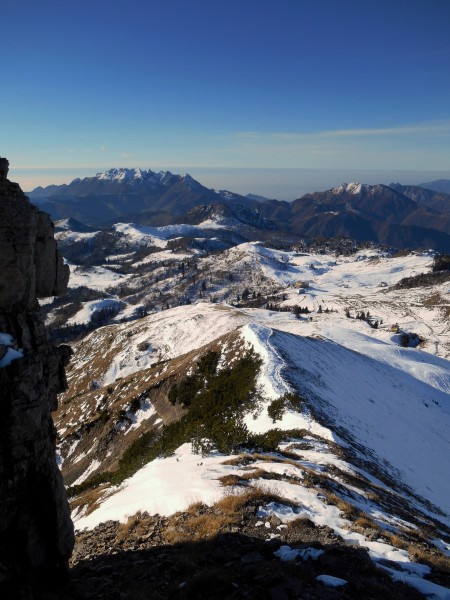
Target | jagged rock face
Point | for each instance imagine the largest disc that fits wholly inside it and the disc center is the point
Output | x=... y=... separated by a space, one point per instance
x=36 y=533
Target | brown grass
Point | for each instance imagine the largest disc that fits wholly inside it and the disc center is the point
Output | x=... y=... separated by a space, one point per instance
x=235 y=461
x=257 y=474
x=137 y=525
x=90 y=499
x=248 y=459
x=231 y=480
x=197 y=528
x=396 y=540
x=434 y=558
x=365 y=522
x=193 y=508
x=349 y=511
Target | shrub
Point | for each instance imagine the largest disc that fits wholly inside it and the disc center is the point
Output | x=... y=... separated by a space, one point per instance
x=214 y=418
x=409 y=340
x=188 y=388
x=270 y=440
x=288 y=401
x=441 y=262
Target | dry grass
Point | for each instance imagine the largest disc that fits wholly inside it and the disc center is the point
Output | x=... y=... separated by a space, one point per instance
x=373 y=496
x=223 y=515
x=231 y=480
x=236 y=461
x=257 y=474
x=197 y=528
x=193 y=508
x=396 y=540
x=420 y=551
x=90 y=499
x=137 y=525
x=431 y=557
x=365 y=522
x=349 y=511
x=247 y=459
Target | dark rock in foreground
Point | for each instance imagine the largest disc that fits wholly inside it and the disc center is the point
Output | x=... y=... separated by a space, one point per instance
x=36 y=533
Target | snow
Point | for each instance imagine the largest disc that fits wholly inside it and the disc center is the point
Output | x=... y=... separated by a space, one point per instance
x=393 y=402
x=142 y=235
x=70 y=237
x=286 y=553
x=381 y=394
x=94 y=465
x=270 y=379
x=284 y=512
x=95 y=278
x=11 y=353
x=382 y=406
x=428 y=588
x=164 y=486
x=161 y=256
x=6 y=339
x=144 y=412
x=135 y=175
x=90 y=308
x=331 y=581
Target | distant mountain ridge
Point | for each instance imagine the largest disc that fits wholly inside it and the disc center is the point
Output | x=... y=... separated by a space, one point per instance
x=111 y=196
x=440 y=185
x=364 y=212
x=395 y=215
x=437 y=200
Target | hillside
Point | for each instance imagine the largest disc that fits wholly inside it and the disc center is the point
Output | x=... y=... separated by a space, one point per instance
x=343 y=423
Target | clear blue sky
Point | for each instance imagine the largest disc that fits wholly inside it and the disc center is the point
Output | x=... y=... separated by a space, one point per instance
x=334 y=84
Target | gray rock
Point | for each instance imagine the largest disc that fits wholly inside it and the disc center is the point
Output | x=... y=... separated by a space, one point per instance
x=36 y=533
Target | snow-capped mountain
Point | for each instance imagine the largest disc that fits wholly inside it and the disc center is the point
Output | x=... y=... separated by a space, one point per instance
x=399 y=216
x=376 y=213
x=139 y=195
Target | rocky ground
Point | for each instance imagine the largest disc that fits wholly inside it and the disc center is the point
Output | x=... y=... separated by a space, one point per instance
x=223 y=551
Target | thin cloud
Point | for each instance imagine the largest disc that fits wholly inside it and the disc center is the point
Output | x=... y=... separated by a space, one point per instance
x=441 y=127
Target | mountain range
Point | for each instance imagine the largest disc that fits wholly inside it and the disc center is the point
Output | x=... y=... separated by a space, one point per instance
x=283 y=396
x=395 y=215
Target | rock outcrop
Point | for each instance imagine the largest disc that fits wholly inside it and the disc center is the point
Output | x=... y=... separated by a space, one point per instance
x=36 y=533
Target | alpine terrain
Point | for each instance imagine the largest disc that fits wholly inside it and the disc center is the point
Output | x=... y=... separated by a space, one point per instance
x=255 y=415
x=395 y=215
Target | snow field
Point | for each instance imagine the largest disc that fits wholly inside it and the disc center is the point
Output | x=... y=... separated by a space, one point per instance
x=394 y=402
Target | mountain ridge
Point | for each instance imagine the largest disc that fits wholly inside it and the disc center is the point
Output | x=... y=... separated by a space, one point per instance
x=400 y=216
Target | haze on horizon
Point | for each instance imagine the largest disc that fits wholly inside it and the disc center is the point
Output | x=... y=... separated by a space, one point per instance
x=291 y=96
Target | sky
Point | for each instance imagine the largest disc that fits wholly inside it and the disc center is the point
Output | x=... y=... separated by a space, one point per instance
x=238 y=93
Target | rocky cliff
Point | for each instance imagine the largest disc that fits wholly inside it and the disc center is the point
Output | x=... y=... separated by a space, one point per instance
x=36 y=533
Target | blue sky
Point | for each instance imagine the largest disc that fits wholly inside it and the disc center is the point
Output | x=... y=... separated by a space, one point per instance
x=332 y=85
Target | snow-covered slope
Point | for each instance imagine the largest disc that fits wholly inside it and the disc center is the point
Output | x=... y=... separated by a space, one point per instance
x=371 y=431
x=392 y=401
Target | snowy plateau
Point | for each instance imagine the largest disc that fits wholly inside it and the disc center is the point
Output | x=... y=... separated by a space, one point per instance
x=352 y=382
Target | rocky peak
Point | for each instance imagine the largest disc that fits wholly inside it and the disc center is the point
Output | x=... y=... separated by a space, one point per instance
x=36 y=533
x=4 y=167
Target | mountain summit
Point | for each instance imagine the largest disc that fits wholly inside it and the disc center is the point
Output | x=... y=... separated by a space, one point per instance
x=138 y=195
x=399 y=216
